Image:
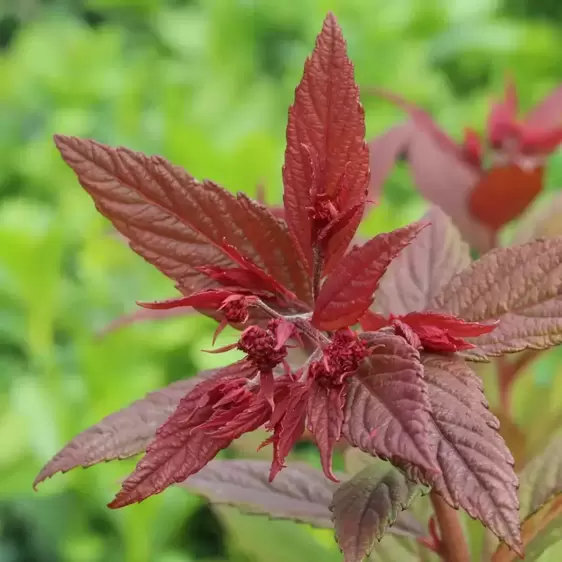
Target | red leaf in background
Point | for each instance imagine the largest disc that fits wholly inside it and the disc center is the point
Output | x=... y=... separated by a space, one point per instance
x=348 y=292
x=384 y=151
x=325 y=420
x=326 y=154
x=504 y=193
x=387 y=408
x=547 y=114
x=128 y=432
x=177 y=223
x=502 y=120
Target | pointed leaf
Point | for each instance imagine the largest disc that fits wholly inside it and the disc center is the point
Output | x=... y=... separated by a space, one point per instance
x=476 y=465
x=125 y=433
x=365 y=506
x=505 y=280
x=177 y=223
x=421 y=269
x=327 y=120
x=387 y=409
x=348 y=292
x=298 y=492
x=521 y=286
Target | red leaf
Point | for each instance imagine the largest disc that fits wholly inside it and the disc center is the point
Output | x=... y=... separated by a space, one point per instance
x=326 y=120
x=177 y=223
x=325 y=420
x=190 y=438
x=387 y=409
x=444 y=333
x=423 y=268
x=348 y=291
x=212 y=299
x=385 y=150
x=547 y=114
x=129 y=431
x=476 y=465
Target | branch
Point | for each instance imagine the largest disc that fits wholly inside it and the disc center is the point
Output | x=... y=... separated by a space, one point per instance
x=452 y=543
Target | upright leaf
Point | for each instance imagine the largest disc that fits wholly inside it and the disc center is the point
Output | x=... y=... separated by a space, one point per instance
x=365 y=506
x=299 y=492
x=348 y=292
x=177 y=223
x=325 y=141
x=124 y=433
x=547 y=114
x=421 y=269
x=387 y=409
x=476 y=466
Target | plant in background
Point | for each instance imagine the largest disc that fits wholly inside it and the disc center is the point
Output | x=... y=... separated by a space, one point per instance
x=369 y=344
x=483 y=184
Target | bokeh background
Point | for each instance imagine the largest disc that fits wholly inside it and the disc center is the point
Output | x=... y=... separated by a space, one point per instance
x=206 y=83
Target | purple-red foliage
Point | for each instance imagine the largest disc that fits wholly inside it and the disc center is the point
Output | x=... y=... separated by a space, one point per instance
x=382 y=326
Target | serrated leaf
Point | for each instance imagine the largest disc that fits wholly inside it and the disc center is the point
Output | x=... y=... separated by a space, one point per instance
x=328 y=121
x=505 y=280
x=365 y=506
x=387 y=409
x=177 y=223
x=521 y=286
x=423 y=268
x=180 y=448
x=299 y=492
x=348 y=292
x=124 y=433
x=476 y=466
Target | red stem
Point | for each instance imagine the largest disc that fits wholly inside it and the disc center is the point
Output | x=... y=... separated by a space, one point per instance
x=452 y=542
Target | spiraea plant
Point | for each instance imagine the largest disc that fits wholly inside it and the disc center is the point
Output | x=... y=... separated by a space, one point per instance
x=369 y=345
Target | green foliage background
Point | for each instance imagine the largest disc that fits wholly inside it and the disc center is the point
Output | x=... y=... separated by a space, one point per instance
x=207 y=84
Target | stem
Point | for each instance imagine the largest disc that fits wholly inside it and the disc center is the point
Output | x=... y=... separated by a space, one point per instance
x=507 y=373
x=453 y=547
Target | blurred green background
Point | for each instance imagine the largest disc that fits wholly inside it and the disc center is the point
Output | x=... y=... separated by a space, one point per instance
x=207 y=84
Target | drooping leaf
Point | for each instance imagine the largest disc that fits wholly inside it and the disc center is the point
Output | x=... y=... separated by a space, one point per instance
x=505 y=280
x=348 y=292
x=177 y=223
x=325 y=420
x=366 y=505
x=142 y=315
x=385 y=150
x=387 y=410
x=476 y=466
x=125 y=433
x=299 y=492
x=181 y=448
x=421 y=269
x=325 y=140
